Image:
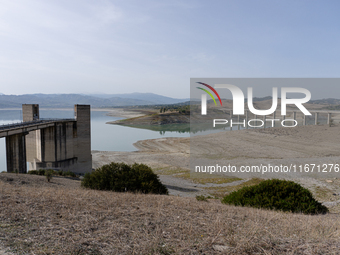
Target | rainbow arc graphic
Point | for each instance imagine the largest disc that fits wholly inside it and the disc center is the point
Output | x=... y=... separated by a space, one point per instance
x=204 y=98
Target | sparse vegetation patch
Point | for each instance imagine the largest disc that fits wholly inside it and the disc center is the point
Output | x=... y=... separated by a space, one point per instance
x=121 y=177
x=278 y=195
x=53 y=172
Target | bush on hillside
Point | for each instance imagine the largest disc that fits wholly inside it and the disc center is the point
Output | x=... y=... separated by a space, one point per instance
x=65 y=173
x=121 y=177
x=49 y=174
x=277 y=194
x=37 y=172
x=58 y=172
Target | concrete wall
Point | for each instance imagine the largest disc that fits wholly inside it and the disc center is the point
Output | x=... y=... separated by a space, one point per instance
x=30 y=112
x=83 y=133
x=65 y=146
x=16 y=153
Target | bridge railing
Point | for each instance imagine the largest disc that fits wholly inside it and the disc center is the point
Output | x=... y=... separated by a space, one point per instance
x=28 y=123
x=53 y=119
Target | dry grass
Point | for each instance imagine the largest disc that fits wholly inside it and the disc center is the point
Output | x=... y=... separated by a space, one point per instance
x=200 y=178
x=170 y=170
x=222 y=191
x=323 y=193
x=61 y=218
x=214 y=180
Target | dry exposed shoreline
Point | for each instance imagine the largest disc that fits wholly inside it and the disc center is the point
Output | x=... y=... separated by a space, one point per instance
x=299 y=145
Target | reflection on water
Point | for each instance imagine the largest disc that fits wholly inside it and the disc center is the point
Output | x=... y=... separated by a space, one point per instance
x=193 y=129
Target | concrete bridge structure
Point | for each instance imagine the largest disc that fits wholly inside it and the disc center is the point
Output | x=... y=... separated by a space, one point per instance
x=63 y=144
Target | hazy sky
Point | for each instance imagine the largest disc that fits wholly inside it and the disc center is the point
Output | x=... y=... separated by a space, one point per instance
x=103 y=46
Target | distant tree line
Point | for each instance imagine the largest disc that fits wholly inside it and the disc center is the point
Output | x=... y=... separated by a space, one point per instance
x=182 y=109
x=332 y=107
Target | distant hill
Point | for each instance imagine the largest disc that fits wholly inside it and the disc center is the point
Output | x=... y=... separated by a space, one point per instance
x=69 y=100
x=149 y=97
x=326 y=101
x=259 y=99
x=111 y=100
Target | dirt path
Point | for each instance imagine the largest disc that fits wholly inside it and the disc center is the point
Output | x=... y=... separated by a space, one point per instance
x=187 y=188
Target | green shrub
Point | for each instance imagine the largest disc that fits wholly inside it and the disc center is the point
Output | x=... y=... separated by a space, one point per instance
x=49 y=173
x=121 y=177
x=41 y=172
x=277 y=194
x=37 y=172
x=69 y=173
x=60 y=173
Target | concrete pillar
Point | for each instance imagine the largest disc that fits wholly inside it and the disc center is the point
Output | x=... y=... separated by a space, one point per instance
x=316 y=118
x=238 y=120
x=83 y=149
x=48 y=152
x=274 y=115
x=255 y=117
x=329 y=118
x=246 y=119
x=304 y=120
x=294 y=116
x=264 y=121
x=30 y=112
x=16 y=153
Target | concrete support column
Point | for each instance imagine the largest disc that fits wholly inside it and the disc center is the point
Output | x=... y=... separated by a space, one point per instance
x=16 y=153
x=304 y=120
x=329 y=118
x=274 y=115
x=264 y=121
x=238 y=120
x=294 y=115
x=316 y=118
x=83 y=152
x=246 y=119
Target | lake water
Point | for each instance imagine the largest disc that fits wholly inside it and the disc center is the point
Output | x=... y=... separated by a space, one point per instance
x=104 y=137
